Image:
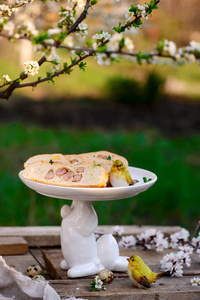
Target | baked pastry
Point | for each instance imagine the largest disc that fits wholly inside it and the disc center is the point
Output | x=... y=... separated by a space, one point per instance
x=104 y=158
x=58 y=173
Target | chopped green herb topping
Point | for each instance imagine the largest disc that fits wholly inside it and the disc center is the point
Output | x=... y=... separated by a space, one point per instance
x=109 y=157
x=95 y=165
x=51 y=161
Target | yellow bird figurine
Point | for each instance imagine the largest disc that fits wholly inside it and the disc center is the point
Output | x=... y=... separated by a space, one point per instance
x=119 y=174
x=141 y=274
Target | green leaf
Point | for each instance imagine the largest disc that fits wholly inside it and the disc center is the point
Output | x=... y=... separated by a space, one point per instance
x=65 y=64
x=119 y=28
x=68 y=71
x=39 y=39
x=133 y=9
x=19 y=80
x=93 y=2
x=161 y=45
x=52 y=80
x=102 y=49
x=122 y=44
x=73 y=60
x=39 y=78
x=49 y=74
x=196 y=53
x=82 y=66
x=152 y=5
x=109 y=157
x=89 y=42
x=55 y=62
x=137 y=23
x=79 y=52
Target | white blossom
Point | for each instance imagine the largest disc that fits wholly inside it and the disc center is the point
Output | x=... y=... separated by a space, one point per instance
x=5 y=11
x=196 y=241
x=68 y=41
x=190 y=57
x=56 y=58
x=103 y=59
x=169 y=47
x=54 y=68
x=142 y=11
x=49 y=41
x=102 y=36
x=83 y=28
x=128 y=44
x=113 y=44
x=179 y=238
x=94 y=46
x=129 y=15
x=161 y=243
x=153 y=239
x=7 y=78
x=170 y=262
x=81 y=3
x=31 y=67
x=53 y=31
x=127 y=242
x=195 y=45
x=195 y=281
x=9 y=26
x=119 y=230
x=98 y=283
x=186 y=249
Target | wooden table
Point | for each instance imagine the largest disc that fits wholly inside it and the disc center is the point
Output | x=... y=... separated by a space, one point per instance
x=24 y=246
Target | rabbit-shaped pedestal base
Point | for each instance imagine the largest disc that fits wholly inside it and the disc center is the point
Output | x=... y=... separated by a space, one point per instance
x=83 y=255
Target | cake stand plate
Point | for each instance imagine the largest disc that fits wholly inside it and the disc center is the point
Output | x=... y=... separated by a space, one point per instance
x=83 y=255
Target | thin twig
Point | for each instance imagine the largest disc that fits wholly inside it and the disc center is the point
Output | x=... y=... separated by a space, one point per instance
x=195 y=231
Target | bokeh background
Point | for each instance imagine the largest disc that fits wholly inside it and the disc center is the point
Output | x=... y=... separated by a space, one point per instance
x=150 y=114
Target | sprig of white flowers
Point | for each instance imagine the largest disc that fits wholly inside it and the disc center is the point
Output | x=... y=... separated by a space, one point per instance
x=97 y=284
x=152 y=239
x=175 y=261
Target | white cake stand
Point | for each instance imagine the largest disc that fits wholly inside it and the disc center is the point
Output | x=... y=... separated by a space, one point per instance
x=83 y=255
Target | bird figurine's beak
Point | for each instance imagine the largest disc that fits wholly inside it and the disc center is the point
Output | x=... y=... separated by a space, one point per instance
x=128 y=259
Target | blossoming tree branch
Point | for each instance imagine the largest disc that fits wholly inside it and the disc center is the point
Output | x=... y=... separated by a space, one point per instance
x=70 y=33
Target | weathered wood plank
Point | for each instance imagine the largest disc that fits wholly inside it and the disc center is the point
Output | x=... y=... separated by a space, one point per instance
x=44 y=236
x=53 y=257
x=20 y=262
x=123 y=289
x=37 y=254
x=36 y=236
x=13 y=246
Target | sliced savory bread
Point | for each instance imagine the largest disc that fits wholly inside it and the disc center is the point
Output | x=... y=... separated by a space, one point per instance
x=80 y=175
x=104 y=158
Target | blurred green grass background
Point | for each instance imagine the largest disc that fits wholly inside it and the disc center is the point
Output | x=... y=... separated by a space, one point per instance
x=174 y=199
